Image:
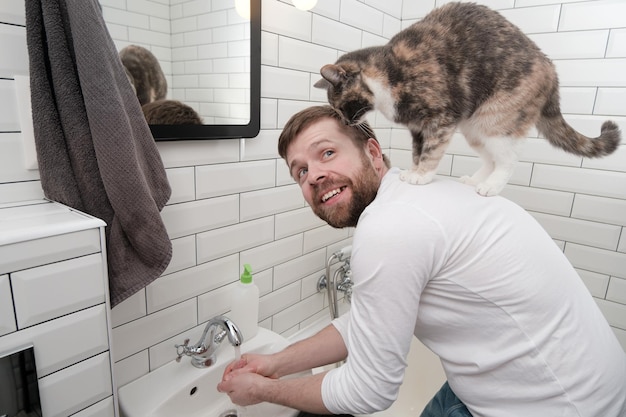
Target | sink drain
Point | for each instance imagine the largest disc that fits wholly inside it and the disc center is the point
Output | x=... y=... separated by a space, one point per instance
x=229 y=413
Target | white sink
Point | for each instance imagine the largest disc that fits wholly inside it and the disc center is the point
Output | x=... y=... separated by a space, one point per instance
x=179 y=389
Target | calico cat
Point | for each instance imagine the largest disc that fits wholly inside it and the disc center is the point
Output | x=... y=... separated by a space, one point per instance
x=465 y=67
x=144 y=73
x=170 y=112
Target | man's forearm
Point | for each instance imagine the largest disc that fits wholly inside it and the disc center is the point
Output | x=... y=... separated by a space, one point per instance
x=323 y=348
x=304 y=393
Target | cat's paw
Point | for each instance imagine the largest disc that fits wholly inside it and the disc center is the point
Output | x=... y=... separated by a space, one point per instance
x=487 y=189
x=413 y=177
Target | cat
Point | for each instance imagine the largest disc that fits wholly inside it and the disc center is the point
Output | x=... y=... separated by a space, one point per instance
x=144 y=73
x=170 y=112
x=463 y=66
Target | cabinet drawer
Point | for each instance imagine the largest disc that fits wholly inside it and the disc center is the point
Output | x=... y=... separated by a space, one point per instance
x=7 y=318
x=77 y=387
x=46 y=250
x=104 y=408
x=50 y=291
x=62 y=342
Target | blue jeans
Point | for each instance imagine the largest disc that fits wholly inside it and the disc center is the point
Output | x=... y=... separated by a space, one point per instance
x=445 y=404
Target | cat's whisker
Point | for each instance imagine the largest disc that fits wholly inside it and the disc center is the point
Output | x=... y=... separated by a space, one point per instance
x=361 y=129
x=356 y=119
x=365 y=128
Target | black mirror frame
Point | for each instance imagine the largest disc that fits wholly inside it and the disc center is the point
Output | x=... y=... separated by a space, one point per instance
x=250 y=130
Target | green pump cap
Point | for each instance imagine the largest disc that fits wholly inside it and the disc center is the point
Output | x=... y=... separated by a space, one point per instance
x=246 y=276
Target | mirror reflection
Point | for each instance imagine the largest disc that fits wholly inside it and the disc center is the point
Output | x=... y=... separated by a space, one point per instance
x=190 y=63
x=150 y=85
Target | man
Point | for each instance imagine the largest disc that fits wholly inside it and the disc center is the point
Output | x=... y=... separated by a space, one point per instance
x=476 y=279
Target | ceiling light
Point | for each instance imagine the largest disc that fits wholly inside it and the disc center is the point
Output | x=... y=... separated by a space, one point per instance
x=304 y=4
x=243 y=8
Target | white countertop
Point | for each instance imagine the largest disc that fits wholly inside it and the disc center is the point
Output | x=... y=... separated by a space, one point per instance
x=36 y=219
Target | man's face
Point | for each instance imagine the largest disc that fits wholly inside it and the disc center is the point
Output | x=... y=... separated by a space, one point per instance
x=338 y=180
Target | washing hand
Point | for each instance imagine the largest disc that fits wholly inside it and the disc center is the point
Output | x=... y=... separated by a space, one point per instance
x=250 y=363
x=235 y=366
x=243 y=379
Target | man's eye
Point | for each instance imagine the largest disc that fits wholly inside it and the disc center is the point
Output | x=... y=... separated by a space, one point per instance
x=302 y=172
x=328 y=152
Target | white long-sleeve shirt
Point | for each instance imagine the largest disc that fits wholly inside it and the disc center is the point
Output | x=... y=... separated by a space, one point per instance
x=483 y=286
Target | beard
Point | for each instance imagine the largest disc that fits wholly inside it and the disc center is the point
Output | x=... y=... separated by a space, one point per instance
x=364 y=189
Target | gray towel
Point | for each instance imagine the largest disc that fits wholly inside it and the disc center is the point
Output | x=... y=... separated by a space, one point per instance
x=94 y=147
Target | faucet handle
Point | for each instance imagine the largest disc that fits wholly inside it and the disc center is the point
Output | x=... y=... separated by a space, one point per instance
x=346 y=285
x=182 y=350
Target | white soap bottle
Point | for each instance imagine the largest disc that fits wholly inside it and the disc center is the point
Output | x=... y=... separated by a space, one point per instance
x=244 y=307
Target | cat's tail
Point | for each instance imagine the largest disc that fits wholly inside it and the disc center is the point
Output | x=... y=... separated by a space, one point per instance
x=559 y=133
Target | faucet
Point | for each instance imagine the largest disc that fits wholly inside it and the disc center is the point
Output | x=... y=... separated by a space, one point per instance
x=341 y=281
x=203 y=353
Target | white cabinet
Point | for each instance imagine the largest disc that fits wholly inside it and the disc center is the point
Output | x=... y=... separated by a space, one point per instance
x=54 y=295
x=53 y=290
x=65 y=341
x=103 y=408
x=7 y=318
x=77 y=387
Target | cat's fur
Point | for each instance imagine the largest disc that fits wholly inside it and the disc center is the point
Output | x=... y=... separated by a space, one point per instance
x=144 y=73
x=170 y=112
x=462 y=66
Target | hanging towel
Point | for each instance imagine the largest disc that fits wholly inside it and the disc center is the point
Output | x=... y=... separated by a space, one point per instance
x=95 y=150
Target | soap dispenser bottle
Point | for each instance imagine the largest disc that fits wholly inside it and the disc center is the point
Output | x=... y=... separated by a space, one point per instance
x=244 y=308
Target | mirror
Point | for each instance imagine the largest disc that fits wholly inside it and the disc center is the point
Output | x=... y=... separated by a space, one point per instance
x=210 y=54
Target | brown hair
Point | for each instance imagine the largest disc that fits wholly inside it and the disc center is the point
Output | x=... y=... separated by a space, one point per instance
x=359 y=133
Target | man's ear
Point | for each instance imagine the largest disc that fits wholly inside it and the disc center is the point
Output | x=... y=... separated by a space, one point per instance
x=373 y=149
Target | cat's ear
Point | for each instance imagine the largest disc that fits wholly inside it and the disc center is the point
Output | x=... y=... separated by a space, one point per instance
x=323 y=84
x=333 y=74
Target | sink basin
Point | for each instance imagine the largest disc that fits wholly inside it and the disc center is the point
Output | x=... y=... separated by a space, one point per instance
x=179 y=389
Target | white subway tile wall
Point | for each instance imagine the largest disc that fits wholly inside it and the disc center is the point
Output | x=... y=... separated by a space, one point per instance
x=233 y=201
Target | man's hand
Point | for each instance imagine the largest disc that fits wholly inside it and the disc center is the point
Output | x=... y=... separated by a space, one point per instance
x=242 y=379
x=243 y=387
x=258 y=364
x=256 y=378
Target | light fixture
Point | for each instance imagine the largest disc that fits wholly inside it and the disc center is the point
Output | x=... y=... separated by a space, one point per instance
x=243 y=8
x=304 y=4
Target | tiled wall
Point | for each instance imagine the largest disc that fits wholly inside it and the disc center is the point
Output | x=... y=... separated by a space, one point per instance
x=233 y=201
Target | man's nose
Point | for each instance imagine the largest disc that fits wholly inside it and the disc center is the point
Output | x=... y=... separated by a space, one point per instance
x=316 y=173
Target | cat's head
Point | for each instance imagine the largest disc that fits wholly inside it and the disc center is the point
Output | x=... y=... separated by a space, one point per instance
x=346 y=90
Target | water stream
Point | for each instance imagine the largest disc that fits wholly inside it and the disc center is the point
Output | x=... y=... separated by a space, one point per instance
x=241 y=411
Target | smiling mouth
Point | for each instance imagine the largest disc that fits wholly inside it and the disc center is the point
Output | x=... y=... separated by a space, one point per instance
x=332 y=193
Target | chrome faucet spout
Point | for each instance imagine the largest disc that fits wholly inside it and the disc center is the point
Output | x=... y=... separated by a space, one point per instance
x=229 y=328
x=203 y=353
